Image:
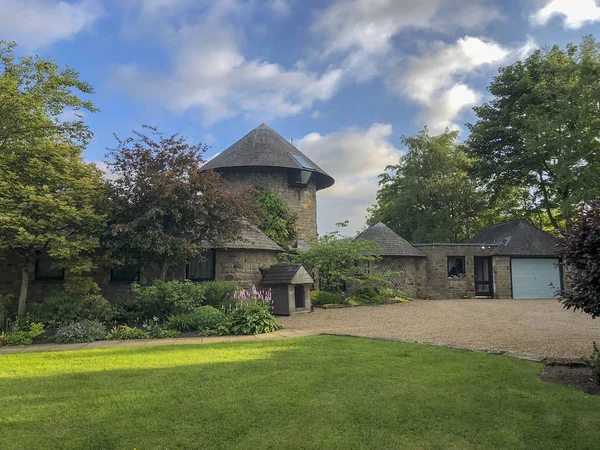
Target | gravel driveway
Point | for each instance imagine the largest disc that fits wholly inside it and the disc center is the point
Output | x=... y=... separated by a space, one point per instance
x=529 y=327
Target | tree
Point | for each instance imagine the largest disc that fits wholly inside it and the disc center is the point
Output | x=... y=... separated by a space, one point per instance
x=35 y=95
x=48 y=194
x=163 y=208
x=580 y=249
x=541 y=130
x=274 y=218
x=339 y=260
x=429 y=197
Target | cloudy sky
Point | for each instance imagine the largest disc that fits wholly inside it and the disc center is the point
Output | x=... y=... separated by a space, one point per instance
x=343 y=78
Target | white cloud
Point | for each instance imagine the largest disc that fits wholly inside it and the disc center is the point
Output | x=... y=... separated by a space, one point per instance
x=575 y=13
x=35 y=23
x=364 y=30
x=434 y=79
x=354 y=157
x=209 y=72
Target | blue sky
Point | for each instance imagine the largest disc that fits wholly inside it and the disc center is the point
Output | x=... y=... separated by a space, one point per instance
x=344 y=78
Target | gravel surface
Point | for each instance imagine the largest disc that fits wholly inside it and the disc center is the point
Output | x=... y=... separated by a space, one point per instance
x=527 y=327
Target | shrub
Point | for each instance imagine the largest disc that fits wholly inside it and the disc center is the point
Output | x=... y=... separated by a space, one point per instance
x=96 y=307
x=580 y=248
x=202 y=318
x=217 y=293
x=155 y=331
x=327 y=298
x=250 y=318
x=162 y=299
x=25 y=331
x=57 y=308
x=367 y=295
x=594 y=362
x=79 y=332
x=17 y=338
x=63 y=307
x=123 y=332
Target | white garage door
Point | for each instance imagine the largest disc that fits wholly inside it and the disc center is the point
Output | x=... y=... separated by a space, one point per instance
x=535 y=277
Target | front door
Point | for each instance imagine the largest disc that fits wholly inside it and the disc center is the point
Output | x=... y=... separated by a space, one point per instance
x=483 y=276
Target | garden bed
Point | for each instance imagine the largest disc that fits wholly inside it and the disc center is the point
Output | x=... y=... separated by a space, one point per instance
x=578 y=376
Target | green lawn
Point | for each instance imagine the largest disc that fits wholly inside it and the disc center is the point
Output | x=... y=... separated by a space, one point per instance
x=316 y=392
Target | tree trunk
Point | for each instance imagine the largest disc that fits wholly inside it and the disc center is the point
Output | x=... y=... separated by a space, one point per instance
x=23 y=294
x=163 y=270
x=546 y=200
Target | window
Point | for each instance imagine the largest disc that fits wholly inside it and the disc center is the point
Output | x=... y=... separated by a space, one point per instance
x=301 y=161
x=201 y=268
x=456 y=267
x=45 y=270
x=124 y=274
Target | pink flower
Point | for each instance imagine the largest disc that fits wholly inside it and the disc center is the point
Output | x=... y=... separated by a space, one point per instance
x=155 y=319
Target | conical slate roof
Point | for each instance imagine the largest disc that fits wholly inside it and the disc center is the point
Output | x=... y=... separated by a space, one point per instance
x=265 y=147
x=391 y=244
x=517 y=238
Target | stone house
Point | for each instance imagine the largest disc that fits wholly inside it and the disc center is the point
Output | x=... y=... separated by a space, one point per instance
x=509 y=260
x=262 y=157
x=397 y=255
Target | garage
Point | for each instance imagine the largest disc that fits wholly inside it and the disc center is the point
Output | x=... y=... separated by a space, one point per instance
x=535 y=277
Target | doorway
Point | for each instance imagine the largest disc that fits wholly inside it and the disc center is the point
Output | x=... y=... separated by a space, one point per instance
x=299 y=296
x=484 y=285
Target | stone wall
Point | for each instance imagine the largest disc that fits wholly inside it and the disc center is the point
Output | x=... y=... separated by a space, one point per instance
x=243 y=265
x=440 y=286
x=412 y=279
x=301 y=202
x=502 y=277
x=239 y=265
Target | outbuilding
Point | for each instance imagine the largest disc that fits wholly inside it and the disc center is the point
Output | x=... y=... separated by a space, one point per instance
x=290 y=288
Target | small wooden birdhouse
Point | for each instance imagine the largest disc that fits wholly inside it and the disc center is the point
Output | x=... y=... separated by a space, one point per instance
x=290 y=288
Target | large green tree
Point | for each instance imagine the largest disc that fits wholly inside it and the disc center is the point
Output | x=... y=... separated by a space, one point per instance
x=48 y=194
x=541 y=129
x=429 y=196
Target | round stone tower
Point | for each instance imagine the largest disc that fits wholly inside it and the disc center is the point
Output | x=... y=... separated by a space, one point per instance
x=265 y=158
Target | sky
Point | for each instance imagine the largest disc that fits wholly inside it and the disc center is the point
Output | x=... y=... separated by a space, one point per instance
x=345 y=79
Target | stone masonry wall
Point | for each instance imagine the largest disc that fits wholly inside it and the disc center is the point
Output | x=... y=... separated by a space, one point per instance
x=243 y=266
x=440 y=286
x=301 y=202
x=411 y=281
x=502 y=277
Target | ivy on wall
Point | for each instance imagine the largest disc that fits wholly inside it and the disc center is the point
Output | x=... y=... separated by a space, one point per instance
x=274 y=219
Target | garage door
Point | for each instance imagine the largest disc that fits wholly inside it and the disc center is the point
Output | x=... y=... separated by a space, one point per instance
x=535 y=277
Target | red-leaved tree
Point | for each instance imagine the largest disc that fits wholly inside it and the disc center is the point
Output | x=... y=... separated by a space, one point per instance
x=580 y=248
x=162 y=206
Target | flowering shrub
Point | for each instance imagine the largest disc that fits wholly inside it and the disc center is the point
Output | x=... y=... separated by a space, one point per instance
x=249 y=296
x=250 y=318
x=217 y=293
x=78 y=332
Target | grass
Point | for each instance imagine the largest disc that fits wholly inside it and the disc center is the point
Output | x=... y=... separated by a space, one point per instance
x=316 y=392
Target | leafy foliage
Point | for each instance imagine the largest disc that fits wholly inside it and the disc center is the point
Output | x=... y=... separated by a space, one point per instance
x=202 y=318
x=162 y=299
x=155 y=331
x=594 y=362
x=250 y=318
x=429 y=195
x=580 y=249
x=541 y=130
x=25 y=332
x=274 y=219
x=49 y=197
x=61 y=307
x=326 y=298
x=162 y=206
x=217 y=293
x=124 y=332
x=79 y=332
x=339 y=260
